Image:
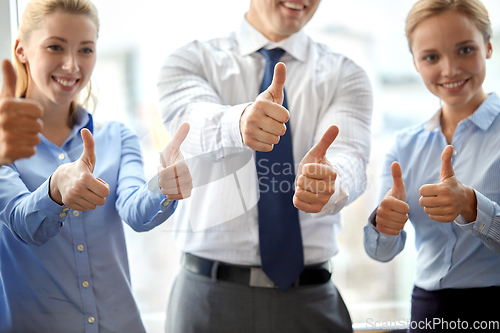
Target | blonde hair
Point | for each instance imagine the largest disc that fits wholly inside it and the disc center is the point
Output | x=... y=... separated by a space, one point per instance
x=32 y=18
x=473 y=9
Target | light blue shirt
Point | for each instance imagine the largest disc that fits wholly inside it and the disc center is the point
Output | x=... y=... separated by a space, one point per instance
x=67 y=271
x=456 y=254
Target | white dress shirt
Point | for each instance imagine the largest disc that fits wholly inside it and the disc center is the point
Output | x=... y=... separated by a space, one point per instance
x=209 y=84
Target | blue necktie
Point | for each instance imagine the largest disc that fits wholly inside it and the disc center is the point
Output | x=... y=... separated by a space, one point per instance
x=280 y=237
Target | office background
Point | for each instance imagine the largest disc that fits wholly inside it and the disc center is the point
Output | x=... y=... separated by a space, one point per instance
x=136 y=36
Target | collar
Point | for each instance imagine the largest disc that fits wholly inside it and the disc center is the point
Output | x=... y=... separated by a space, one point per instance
x=83 y=120
x=250 y=40
x=483 y=117
x=486 y=112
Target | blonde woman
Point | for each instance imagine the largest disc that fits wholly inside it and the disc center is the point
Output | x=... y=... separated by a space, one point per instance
x=63 y=257
x=443 y=175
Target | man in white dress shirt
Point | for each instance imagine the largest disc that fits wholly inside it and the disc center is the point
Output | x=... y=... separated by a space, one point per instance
x=214 y=85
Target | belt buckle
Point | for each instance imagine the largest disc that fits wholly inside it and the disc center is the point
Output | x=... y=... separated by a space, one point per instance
x=260 y=279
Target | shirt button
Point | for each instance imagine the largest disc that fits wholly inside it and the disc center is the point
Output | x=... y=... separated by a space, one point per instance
x=65 y=209
x=455 y=153
x=61 y=156
x=91 y=320
x=76 y=213
x=62 y=214
x=85 y=284
x=80 y=247
x=166 y=202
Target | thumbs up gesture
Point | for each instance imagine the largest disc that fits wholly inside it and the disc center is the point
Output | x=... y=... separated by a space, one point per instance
x=74 y=185
x=315 y=180
x=263 y=122
x=392 y=213
x=174 y=177
x=19 y=120
x=450 y=198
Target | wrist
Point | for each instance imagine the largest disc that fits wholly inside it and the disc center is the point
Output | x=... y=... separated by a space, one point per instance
x=54 y=192
x=469 y=212
x=241 y=121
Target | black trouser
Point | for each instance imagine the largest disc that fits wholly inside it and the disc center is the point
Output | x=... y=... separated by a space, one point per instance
x=450 y=310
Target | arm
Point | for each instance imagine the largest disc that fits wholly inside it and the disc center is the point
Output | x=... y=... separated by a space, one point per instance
x=351 y=110
x=384 y=236
x=450 y=200
x=486 y=226
x=139 y=207
x=32 y=217
x=187 y=95
x=35 y=217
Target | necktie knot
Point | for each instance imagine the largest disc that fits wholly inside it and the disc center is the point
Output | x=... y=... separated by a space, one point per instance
x=272 y=56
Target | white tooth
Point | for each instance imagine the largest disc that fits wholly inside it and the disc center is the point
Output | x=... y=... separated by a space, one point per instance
x=292 y=5
x=66 y=83
x=453 y=85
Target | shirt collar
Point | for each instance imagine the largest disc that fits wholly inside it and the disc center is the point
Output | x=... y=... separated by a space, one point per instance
x=486 y=112
x=250 y=40
x=483 y=117
x=83 y=120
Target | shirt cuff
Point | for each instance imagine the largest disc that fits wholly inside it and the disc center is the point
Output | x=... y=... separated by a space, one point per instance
x=485 y=216
x=47 y=206
x=230 y=123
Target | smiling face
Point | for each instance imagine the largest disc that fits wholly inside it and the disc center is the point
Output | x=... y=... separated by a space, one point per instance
x=60 y=57
x=278 y=19
x=450 y=54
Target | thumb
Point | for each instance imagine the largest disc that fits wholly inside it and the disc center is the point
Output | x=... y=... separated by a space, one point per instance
x=318 y=151
x=172 y=150
x=9 y=80
x=275 y=90
x=88 y=155
x=398 y=185
x=446 y=166
x=179 y=136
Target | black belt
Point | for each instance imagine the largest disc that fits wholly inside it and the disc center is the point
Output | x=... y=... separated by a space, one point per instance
x=252 y=276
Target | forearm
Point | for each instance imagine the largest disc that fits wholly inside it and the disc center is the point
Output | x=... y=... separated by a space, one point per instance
x=379 y=246
x=32 y=217
x=187 y=95
x=143 y=209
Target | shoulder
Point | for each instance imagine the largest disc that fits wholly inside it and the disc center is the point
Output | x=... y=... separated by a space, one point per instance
x=409 y=137
x=201 y=50
x=328 y=61
x=111 y=131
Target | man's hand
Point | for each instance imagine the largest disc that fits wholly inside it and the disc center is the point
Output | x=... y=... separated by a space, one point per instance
x=19 y=120
x=263 y=122
x=174 y=177
x=450 y=198
x=74 y=185
x=315 y=181
x=392 y=213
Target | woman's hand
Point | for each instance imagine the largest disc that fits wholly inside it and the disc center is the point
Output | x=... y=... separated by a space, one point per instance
x=392 y=213
x=174 y=177
x=450 y=198
x=74 y=185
